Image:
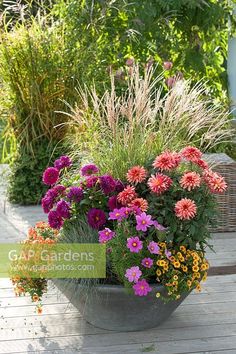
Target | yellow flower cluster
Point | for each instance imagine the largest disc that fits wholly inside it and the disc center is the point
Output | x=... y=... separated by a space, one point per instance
x=180 y=270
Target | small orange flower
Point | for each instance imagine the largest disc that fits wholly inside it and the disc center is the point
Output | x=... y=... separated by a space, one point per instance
x=136 y=174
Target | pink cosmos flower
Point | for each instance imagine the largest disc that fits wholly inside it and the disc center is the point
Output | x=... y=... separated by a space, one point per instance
x=134 y=244
x=142 y=288
x=185 y=209
x=147 y=262
x=133 y=274
x=158 y=226
x=144 y=221
x=105 y=235
x=116 y=214
x=167 y=253
x=153 y=247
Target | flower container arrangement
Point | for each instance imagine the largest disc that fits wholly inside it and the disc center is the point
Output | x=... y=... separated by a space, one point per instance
x=154 y=223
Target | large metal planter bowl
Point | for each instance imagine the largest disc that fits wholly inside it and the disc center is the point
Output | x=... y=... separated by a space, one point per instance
x=112 y=307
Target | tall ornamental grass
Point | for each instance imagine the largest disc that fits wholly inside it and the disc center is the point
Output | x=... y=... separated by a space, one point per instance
x=117 y=132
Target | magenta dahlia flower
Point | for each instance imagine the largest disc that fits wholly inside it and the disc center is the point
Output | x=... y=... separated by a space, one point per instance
x=105 y=235
x=134 y=244
x=107 y=183
x=133 y=274
x=75 y=194
x=147 y=262
x=63 y=209
x=142 y=288
x=91 y=181
x=113 y=203
x=55 y=221
x=144 y=221
x=88 y=170
x=96 y=218
x=153 y=247
x=50 y=176
x=62 y=162
x=47 y=204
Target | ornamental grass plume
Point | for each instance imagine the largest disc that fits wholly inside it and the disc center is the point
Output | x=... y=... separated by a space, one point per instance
x=120 y=131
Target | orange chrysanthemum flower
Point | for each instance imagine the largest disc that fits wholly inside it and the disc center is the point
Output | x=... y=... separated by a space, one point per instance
x=159 y=183
x=190 y=180
x=185 y=209
x=141 y=203
x=191 y=153
x=136 y=174
x=127 y=195
x=167 y=161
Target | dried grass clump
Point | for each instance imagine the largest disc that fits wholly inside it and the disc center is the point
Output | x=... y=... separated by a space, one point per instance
x=117 y=132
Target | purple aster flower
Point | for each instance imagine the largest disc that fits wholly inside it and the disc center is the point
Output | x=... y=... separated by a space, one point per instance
x=142 y=288
x=75 y=194
x=119 y=186
x=63 y=209
x=108 y=184
x=88 y=170
x=91 y=181
x=54 y=220
x=105 y=235
x=116 y=214
x=143 y=222
x=168 y=254
x=158 y=226
x=133 y=274
x=47 y=204
x=113 y=203
x=96 y=218
x=62 y=162
x=50 y=176
x=134 y=244
x=153 y=247
x=147 y=262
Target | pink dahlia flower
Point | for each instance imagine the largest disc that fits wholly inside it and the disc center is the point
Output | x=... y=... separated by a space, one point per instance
x=159 y=183
x=127 y=195
x=185 y=209
x=167 y=161
x=190 y=180
x=191 y=153
x=50 y=176
x=141 y=203
x=136 y=174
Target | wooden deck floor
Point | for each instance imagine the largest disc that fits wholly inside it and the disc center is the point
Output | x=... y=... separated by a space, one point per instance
x=204 y=323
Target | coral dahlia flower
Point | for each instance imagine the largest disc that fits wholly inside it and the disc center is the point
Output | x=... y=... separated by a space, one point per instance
x=159 y=183
x=167 y=161
x=190 y=180
x=216 y=182
x=185 y=209
x=127 y=195
x=141 y=203
x=136 y=174
x=191 y=153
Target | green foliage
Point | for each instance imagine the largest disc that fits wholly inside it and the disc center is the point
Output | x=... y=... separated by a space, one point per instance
x=25 y=184
x=192 y=34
